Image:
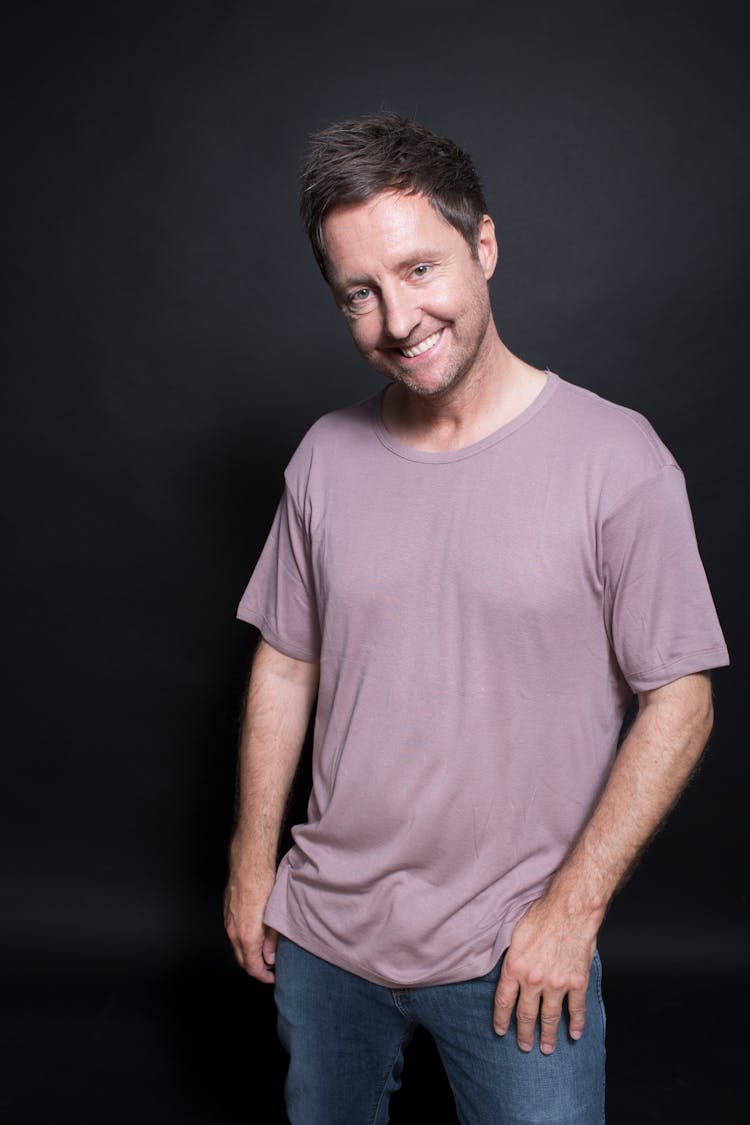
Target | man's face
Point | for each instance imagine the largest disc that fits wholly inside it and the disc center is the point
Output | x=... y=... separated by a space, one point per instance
x=414 y=296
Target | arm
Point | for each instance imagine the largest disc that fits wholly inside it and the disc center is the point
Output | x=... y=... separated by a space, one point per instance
x=279 y=701
x=553 y=943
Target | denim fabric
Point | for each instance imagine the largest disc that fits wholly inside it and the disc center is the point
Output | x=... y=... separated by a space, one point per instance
x=346 y=1039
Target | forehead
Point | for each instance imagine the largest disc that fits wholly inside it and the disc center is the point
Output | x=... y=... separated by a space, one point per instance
x=384 y=231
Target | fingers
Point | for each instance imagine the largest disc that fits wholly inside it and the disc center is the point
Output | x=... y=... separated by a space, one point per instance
x=527 y=1012
x=505 y=999
x=255 y=952
x=549 y=1021
x=268 y=949
x=514 y=991
x=251 y=957
x=532 y=1005
x=257 y=967
x=577 y=1012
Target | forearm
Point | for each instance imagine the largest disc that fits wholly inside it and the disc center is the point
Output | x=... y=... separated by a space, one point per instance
x=280 y=697
x=652 y=767
x=553 y=943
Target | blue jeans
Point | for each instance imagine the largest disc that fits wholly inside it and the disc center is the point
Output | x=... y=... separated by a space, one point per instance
x=346 y=1040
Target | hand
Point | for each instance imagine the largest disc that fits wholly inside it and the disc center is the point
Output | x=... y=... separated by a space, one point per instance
x=254 y=943
x=549 y=958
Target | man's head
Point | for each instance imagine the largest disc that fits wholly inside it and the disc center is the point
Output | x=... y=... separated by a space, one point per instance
x=353 y=161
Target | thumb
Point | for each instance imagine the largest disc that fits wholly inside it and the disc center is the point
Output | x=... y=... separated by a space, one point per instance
x=268 y=949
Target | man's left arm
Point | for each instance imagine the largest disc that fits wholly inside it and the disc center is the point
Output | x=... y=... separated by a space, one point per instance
x=553 y=943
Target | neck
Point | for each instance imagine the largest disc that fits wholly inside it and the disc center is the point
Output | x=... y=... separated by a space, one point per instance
x=498 y=387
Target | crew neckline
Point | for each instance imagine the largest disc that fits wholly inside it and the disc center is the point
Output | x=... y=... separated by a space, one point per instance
x=445 y=456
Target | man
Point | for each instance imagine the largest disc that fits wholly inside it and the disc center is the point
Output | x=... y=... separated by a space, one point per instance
x=473 y=571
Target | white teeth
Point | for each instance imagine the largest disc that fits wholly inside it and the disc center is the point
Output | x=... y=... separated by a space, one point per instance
x=425 y=346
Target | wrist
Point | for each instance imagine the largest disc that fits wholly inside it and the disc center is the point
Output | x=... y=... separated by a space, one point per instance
x=584 y=906
x=251 y=857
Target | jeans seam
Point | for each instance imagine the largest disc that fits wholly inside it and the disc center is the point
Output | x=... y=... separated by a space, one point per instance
x=404 y=1039
x=600 y=998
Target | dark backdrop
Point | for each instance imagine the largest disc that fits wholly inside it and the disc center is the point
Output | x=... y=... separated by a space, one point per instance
x=168 y=340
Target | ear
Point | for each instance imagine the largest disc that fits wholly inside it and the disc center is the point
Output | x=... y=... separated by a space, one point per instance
x=487 y=246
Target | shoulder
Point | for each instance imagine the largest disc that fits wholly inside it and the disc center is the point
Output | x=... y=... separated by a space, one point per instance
x=347 y=423
x=332 y=438
x=608 y=423
x=617 y=445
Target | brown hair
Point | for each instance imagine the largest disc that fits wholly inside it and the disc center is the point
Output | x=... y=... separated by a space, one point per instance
x=351 y=161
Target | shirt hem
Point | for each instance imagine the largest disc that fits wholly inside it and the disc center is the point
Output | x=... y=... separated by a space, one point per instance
x=475 y=967
x=272 y=637
x=702 y=661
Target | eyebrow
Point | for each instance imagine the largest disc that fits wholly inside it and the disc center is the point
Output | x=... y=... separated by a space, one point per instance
x=413 y=259
x=354 y=283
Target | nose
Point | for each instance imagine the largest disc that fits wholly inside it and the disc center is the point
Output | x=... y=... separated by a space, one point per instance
x=401 y=314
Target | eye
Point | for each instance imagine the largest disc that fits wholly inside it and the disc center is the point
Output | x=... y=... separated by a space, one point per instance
x=360 y=295
x=421 y=270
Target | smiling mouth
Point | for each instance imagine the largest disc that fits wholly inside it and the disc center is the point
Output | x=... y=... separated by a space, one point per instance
x=420 y=349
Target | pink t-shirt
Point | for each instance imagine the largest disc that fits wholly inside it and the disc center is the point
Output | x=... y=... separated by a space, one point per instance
x=482 y=618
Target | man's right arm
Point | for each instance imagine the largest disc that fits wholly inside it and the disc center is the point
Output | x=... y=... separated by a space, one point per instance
x=280 y=698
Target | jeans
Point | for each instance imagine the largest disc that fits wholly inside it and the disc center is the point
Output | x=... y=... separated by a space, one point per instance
x=346 y=1039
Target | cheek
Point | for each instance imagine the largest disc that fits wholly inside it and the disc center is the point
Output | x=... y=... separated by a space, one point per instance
x=453 y=303
x=442 y=302
x=474 y=311
x=365 y=334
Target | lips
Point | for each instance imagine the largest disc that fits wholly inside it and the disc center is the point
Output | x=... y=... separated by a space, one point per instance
x=424 y=346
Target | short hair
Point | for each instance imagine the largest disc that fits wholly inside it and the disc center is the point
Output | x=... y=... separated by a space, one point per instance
x=352 y=161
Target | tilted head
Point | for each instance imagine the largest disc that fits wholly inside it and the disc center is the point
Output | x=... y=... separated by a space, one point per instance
x=352 y=161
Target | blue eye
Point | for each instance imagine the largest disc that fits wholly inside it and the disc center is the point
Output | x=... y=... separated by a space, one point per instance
x=421 y=271
x=360 y=295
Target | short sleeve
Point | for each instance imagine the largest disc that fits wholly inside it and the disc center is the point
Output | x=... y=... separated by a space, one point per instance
x=280 y=596
x=659 y=611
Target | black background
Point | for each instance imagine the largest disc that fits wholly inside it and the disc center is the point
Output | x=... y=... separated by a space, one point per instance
x=168 y=340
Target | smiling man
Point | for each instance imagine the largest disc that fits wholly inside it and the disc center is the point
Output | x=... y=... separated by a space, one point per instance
x=473 y=572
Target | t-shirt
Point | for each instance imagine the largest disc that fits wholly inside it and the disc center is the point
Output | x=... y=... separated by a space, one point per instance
x=481 y=618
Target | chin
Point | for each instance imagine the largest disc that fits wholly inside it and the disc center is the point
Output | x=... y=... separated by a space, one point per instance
x=423 y=392
x=428 y=389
